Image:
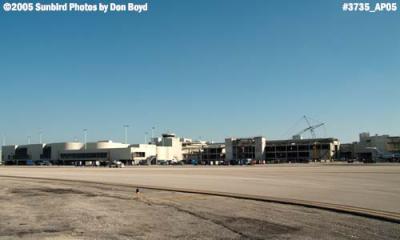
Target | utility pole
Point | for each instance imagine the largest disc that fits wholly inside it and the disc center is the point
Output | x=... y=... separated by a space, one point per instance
x=126 y=133
x=85 y=137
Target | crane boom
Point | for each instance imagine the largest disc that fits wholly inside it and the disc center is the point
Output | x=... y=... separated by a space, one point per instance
x=310 y=128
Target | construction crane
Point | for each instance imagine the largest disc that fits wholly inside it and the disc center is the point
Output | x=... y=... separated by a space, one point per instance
x=310 y=128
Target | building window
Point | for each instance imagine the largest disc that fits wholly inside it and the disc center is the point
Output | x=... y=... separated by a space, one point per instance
x=139 y=154
x=94 y=155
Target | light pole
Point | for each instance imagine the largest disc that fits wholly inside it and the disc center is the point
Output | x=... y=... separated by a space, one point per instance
x=126 y=133
x=3 y=143
x=85 y=137
x=152 y=132
x=40 y=136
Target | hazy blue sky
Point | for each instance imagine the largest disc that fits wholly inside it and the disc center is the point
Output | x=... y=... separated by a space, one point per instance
x=200 y=68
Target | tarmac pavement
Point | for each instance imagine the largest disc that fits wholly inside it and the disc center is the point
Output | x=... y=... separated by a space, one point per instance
x=373 y=187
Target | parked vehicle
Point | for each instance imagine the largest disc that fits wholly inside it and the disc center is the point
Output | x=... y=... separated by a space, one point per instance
x=194 y=162
x=44 y=163
x=116 y=164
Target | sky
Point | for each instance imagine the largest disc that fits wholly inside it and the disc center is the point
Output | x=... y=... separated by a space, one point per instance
x=201 y=69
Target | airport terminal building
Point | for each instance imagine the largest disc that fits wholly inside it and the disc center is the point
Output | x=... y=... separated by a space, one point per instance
x=302 y=150
x=372 y=148
x=168 y=148
x=261 y=150
x=245 y=149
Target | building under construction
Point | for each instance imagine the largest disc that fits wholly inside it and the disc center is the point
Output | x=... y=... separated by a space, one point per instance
x=301 y=150
x=213 y=154
x=241 y=150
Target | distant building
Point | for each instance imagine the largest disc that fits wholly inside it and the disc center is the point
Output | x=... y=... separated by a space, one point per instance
x=347 y=151
x=76 y=153
x=169 y=148
x=373 y=148
x=239 y=149
x=301 y=150
x=191 y=150
x=213 y=154
x=393 y=144
x=7 y=153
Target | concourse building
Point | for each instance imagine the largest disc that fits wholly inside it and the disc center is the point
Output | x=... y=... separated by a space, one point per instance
x=213 y=154
x=301 y=150
x=168 y=148
x=261 y=150
x=242 y=150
